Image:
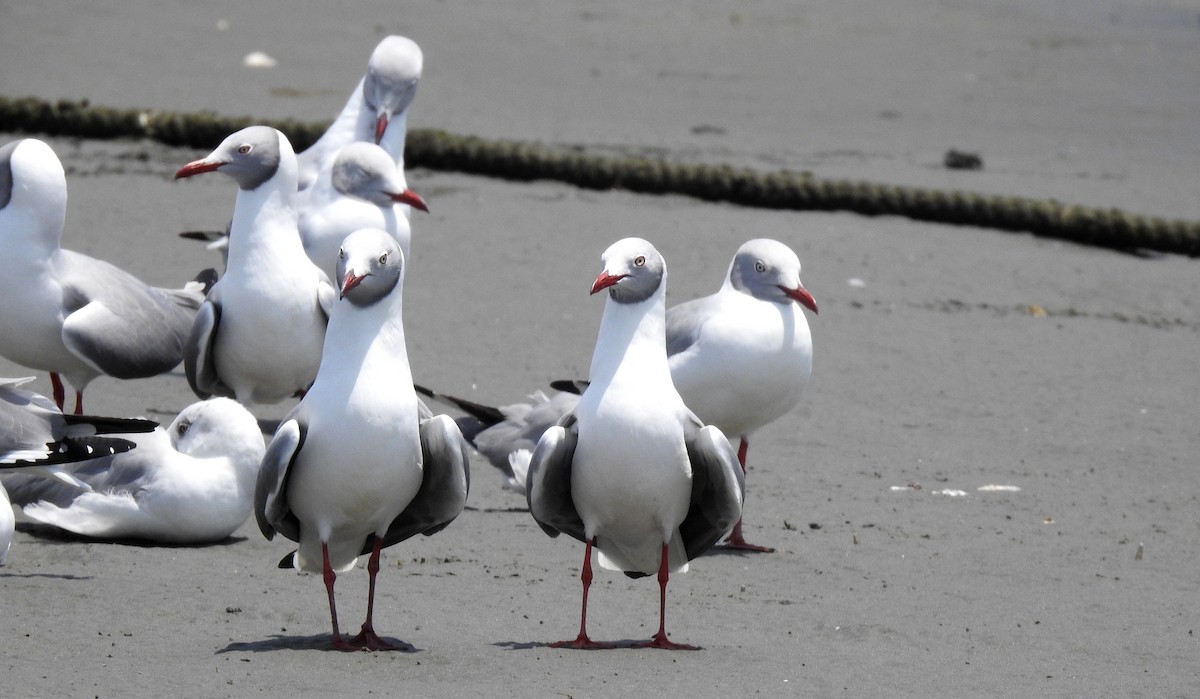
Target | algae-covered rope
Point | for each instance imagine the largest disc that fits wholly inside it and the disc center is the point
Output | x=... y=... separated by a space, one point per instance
x=439 y=150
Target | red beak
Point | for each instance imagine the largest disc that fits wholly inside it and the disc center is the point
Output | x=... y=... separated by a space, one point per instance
x=380 y=126
x=412 y=199
x=350 y=282
x=196 y=167
x=606 y=280
x=801 y=296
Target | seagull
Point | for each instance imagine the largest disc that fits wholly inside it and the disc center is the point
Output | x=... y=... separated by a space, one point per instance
x=361 y=464
x=191 y=483
x=631 y=471
x=742 y=356
x=377 y=111
x=75 y=316
x=362 y=188
x=38 y=441
x=258 y=336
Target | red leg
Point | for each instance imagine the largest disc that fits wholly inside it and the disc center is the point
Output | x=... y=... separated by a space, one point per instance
x=330 y=577
x=582 y=641
x=736 y=540
x=367 y=639
x=79 y=402
x=60 y=394
x=660 y=639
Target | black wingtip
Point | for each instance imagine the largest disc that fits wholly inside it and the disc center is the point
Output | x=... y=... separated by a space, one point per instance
x=576 y=386
x=208 y=278
x=112 y=425
x=288 y=562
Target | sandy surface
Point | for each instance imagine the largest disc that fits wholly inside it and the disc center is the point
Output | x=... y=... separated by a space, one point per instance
x=896 y=574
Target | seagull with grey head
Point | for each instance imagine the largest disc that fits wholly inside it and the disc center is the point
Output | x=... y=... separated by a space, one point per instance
x=631 y=471
x=361 y=464
x=258 y=336
x=377 y=111
x=362 y=188
x=742 y=356
x=64 y=312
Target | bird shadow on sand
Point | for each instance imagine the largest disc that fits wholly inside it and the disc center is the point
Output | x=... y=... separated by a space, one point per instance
x=53 y=534
x=623 y=644
x=322 y=642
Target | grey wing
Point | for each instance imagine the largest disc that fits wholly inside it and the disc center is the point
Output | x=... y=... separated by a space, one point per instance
x=684 y=323
x=199 y=363
x=271 y=507
x=117 y=323
x=548 y=485
x=523 y=427
x=443 y=492
x=718 y=488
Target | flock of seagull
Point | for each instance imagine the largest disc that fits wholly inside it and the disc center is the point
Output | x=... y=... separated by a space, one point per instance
x=644 y=462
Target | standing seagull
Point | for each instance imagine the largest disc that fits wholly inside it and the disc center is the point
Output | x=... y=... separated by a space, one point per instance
x=258 y=336
x=741 y=357
x=37 y=439
x=362 y=188
x=631 y=471
x=360 y=464
x=377 y=111
x=64 y=312
x=192 y=483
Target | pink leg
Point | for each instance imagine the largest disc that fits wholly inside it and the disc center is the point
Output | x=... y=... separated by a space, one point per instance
x=79 y=402
x=660 y=639
x=736 y=540
x=60 y=394
x=367 y=639
x=330 y=577
x=582 y=641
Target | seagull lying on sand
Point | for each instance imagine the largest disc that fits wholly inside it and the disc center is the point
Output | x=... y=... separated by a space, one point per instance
x=191 y=483
x=39 y=442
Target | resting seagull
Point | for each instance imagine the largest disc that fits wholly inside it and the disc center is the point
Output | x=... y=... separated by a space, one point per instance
x=360 y=464
x=40 y=443
x=191 y=483
x=75 y=316
x=631 y=471
x=258 y=336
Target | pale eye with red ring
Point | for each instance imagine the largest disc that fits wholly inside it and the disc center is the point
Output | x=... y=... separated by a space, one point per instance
x=759 y=266
x=245 y=148
x=383 y=259
x=640 y=260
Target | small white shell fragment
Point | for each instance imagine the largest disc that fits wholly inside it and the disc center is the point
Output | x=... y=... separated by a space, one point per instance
x=950 y=493
x=258 y=59
x=856 y=283
x=993 y=488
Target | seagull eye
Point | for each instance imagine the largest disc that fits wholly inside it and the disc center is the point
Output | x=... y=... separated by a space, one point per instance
x=639 y=261
x=245 y=148
x=759 y=266
x=383 y=259
x=341 y=253
x=183 y=428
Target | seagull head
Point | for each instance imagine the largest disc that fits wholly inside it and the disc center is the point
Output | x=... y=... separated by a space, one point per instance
x=366 y=171
x=769 y=270
x=390 y=84
x=369 y=266
x=250 y=156
x=633 y=271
